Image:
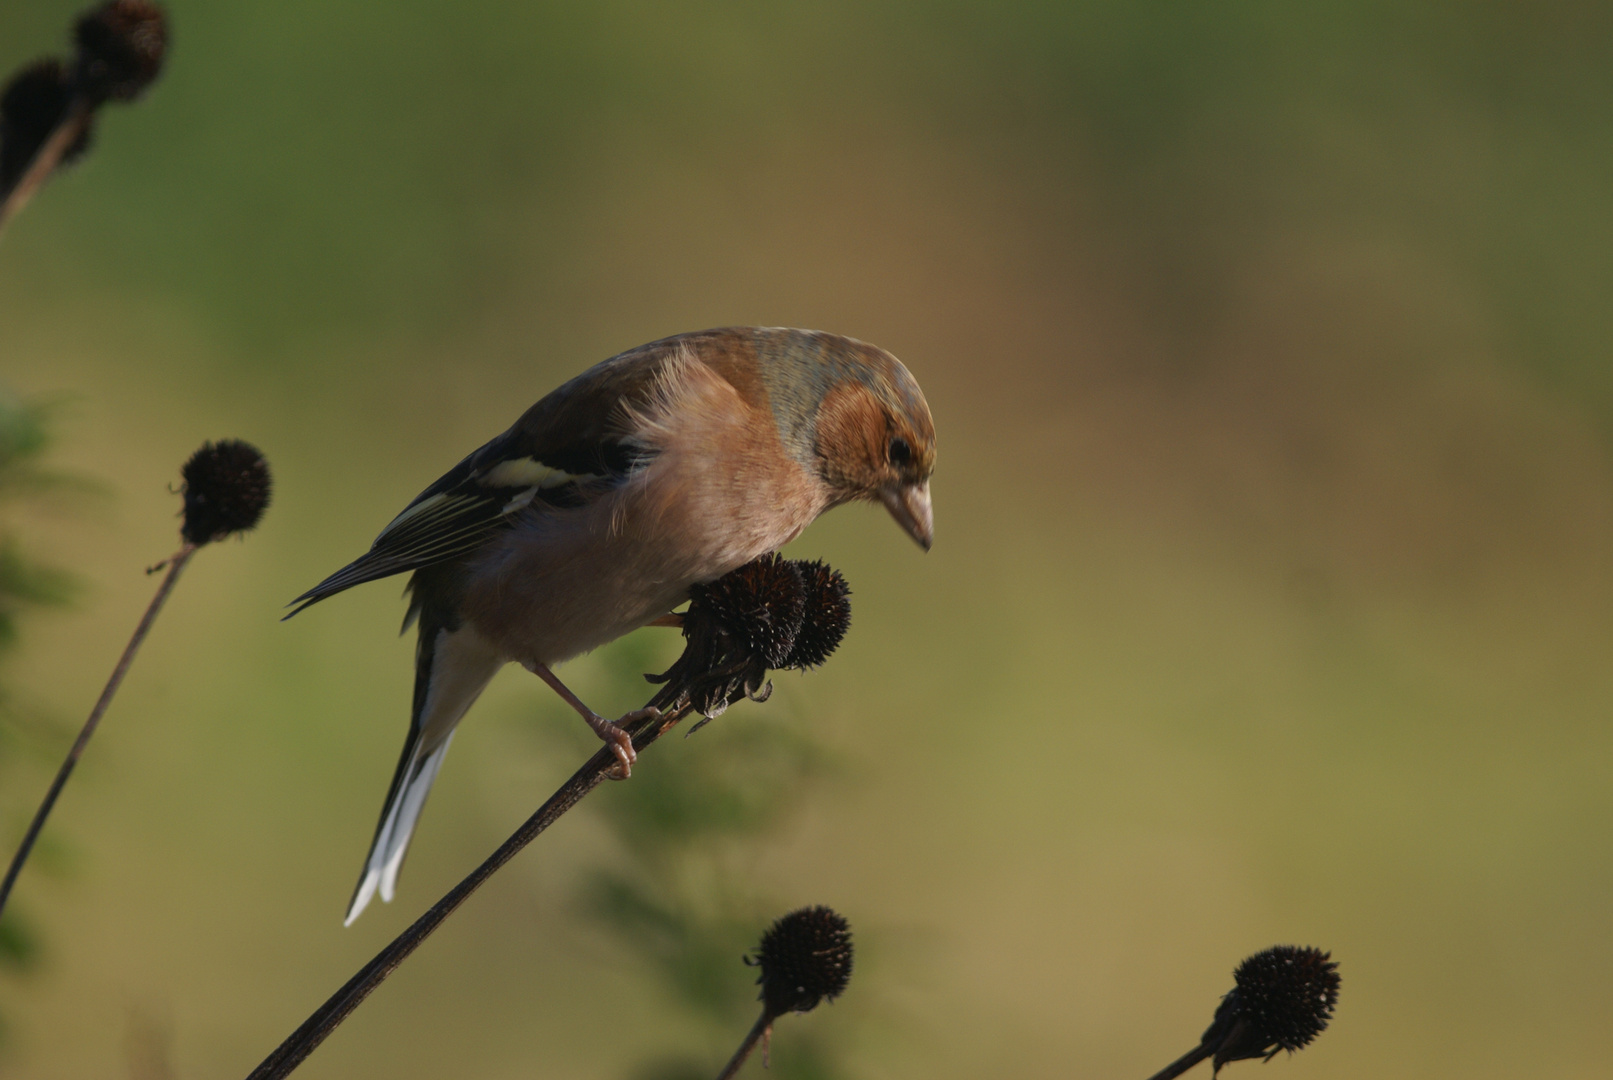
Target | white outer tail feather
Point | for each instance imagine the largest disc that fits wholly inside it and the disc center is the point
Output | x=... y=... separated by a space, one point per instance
x=462 y=664
x=386 y=858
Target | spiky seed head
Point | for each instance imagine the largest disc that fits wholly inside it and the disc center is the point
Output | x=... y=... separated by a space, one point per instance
x=761 y=604
x=120 y=49
x=825 y=618
x=33 y=103
x=805 y=957
x=1282 y=999
x=227 y=488
x=1289 y=992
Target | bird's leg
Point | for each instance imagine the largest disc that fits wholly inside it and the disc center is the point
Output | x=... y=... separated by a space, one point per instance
x=620 y=742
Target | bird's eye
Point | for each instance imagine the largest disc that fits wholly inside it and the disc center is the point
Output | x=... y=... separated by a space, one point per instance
x=900 y=452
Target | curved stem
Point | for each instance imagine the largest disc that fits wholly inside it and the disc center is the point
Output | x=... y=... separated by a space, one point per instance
x=1185 y=1062
x=175 y=566
x=758 y=1033
x=46 y=159
x=302 y=1042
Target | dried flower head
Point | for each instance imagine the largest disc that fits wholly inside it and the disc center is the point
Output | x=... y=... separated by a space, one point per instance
x=770 y=613
x=120 y=49
x=761 y=604
x=33 y=103
x=227 y=488
x=1283 y=998
x=825 y=618
x=805 y=957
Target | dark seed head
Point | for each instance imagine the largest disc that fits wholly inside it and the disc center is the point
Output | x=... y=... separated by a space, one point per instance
x=1283 y=998
x=227 y=489
x=770 y=613
x=826 y=617
x=805 y=957
x=760 y=604
x=33 y=103
x=120 y=49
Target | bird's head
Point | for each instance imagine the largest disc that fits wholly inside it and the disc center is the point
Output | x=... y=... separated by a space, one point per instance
x=874 y=439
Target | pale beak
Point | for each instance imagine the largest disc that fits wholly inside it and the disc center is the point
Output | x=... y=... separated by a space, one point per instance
x=910 y=506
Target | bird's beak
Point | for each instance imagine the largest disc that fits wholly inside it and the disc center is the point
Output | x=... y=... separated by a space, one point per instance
x=910 y=506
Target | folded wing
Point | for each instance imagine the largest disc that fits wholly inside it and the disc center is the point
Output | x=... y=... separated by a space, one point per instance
x=567 y=450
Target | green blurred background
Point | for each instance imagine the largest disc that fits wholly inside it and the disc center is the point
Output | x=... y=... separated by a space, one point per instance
x=1268 y=349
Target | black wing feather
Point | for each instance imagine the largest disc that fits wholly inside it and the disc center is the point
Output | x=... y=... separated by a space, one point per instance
x=578 y=431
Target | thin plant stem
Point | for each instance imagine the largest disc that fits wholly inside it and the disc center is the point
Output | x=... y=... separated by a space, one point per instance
x=758 y=1033
x=302 y=1042
x=175 y=566
x=47 y=158
x=1185 y=1062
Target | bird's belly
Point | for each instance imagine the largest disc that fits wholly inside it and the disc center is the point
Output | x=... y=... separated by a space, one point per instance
x=562 y=584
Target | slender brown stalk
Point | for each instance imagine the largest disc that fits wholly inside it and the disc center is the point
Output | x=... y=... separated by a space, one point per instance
x=302 y=1042
x=1185 y=1062
x=728 y=628
x=758 y=1033
x=175 y=565
x=50 y=155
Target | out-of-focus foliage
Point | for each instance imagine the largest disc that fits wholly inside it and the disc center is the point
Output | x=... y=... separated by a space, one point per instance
x=678 y=900
x=24 y=584
x=1272 y=594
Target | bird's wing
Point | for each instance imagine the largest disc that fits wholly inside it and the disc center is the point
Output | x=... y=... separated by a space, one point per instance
x=565 y=451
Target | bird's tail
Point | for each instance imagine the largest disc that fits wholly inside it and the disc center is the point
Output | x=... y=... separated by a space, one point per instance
x=451 y=671
x=409 y=789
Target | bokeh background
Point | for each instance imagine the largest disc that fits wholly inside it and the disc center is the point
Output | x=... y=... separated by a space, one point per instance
x=1272 y=599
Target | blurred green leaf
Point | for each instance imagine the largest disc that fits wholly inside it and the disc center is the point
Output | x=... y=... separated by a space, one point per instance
x=693 y=948
x=739 y=778
x=742 y=782
x=23 y=438
x=19 y=945
x=22 y=435
x=24 y=584
x=675 y=903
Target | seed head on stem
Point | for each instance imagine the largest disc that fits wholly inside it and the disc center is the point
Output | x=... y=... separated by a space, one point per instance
x=121 y=46
x=805 y=959
x=825 y=617
x=761 y=603
x=33 y=104
x=727 y=624
x=49 y=107
x=770 y=613
x=226 y=490
x=1282 y=999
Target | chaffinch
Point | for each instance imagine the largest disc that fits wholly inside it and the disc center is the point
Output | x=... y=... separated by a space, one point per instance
x=668 y=465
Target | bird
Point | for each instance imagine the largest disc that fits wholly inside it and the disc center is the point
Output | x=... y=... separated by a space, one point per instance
x=661 y=468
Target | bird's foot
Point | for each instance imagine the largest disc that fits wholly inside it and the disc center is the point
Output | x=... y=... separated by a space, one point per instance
x=620 y=742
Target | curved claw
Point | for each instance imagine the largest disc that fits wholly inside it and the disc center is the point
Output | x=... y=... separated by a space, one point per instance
x=621 y=743
x=649 y=712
